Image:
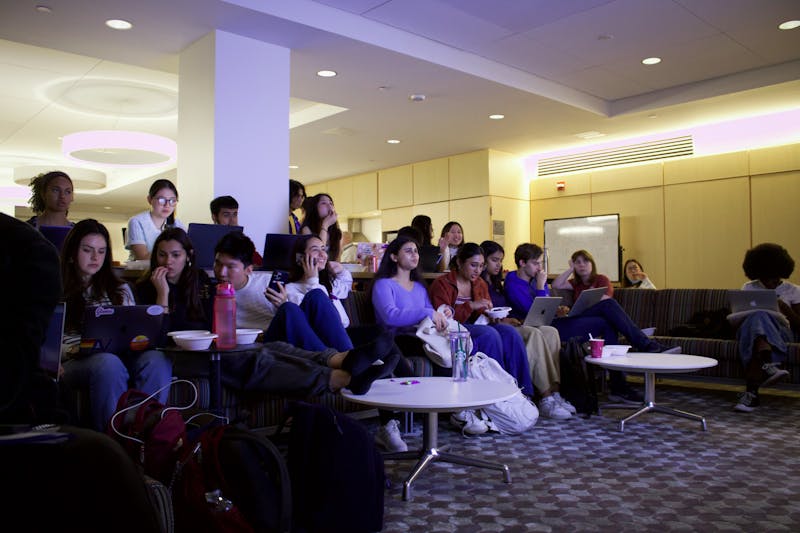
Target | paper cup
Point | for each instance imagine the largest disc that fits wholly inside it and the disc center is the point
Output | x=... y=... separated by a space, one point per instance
x=597 y=348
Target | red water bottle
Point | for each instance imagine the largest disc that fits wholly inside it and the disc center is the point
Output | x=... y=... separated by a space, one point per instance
x=225 y=316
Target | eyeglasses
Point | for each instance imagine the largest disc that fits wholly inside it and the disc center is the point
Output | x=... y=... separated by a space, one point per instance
x=166 y=201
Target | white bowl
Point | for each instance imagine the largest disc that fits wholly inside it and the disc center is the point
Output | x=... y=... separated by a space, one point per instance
x=196 y=341
x=247 y=336
x=185 y=332
x=498 y=312
x=610 y=350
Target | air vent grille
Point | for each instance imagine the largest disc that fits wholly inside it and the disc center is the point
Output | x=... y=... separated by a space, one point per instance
x=624 y=155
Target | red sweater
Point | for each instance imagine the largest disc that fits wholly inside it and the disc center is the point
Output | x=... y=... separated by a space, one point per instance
x=599 y=281
x=444 y=290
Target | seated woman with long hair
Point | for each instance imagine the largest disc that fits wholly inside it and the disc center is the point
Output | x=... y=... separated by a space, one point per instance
x=321 y=220
x=467 y=294
x=634 y=277
x=543 y=343
x=763 y=335
x=89 y=280
x=175 y=283
x=581 y=275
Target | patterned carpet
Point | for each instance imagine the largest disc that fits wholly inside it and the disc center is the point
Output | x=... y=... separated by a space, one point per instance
x=662 y=474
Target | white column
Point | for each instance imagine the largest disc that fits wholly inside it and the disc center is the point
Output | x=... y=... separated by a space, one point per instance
x=233 y=131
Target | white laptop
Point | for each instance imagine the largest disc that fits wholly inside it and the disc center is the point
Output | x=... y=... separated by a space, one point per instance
x=542 y=311
x=753 y=300
x=586 y=299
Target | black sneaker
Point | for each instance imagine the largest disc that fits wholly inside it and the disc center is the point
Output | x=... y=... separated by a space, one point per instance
x=747 y=402
x=626 y=395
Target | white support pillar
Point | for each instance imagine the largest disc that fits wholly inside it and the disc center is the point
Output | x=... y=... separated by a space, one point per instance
x=233 y=131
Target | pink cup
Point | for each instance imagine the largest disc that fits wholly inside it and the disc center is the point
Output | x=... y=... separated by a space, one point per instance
x=597 y=348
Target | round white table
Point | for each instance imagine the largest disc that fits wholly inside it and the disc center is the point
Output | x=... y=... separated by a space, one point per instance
x=651 y=364
x=432 y=395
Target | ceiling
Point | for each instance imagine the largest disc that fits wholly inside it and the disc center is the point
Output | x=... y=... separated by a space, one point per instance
x=555 y=69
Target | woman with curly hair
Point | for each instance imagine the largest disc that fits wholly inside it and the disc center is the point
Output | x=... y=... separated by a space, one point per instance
x=763 y=335
x=89 y=281
x=51 y=196
x=321 y=220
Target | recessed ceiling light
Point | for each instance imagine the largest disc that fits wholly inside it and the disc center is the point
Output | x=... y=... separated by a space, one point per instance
x=416 y=97
x=119 y=24
x=652 y=116
x=497 y=116
x=44 y=9
x=326 y=73
x=651 y=61
x=293 y=166
x=393 y=141
x=605 y=37
x=107 y=207
x=789 y=25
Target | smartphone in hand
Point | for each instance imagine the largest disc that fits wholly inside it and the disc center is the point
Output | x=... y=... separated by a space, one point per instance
x=278 y=276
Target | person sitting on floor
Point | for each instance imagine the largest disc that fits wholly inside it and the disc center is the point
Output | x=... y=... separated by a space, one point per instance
x=763 y=335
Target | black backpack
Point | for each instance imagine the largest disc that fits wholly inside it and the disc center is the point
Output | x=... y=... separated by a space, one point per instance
x=337 y=473
x=250 y=475
x=578 y=384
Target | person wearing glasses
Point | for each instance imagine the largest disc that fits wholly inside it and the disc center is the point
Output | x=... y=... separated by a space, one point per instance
x=144 y=228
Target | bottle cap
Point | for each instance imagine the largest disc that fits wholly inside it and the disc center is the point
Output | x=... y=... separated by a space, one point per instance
x=225 y=288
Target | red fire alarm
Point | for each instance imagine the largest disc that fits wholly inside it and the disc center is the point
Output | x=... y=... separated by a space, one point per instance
x=560 y=185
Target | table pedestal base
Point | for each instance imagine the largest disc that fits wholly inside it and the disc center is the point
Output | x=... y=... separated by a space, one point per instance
x=650 y=405
x=431 y=452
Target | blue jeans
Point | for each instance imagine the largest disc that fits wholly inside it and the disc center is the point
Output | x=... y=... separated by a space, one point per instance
x=502 y=343
x=314 y=325
x=107 y=376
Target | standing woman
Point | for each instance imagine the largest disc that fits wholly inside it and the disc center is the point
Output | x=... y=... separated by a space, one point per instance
x=51 y=196
x=634 y=276
x=464 y=290
x=175 y=283
x=297 y=193
x=450 y=242
x=90 y=281
x=543 y=343
x=144 y=228
x=321 y=219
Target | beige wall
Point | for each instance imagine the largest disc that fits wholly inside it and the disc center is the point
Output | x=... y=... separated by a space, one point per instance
x=689 y=221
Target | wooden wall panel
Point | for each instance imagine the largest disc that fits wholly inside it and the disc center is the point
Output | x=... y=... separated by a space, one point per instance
x=439 y=213
x=431 y=181
x=341 y=191
x=516 y=214
x=469 y=175
x=473 y=215
x=777 y=159
x=712 y=167
x=641 y=214
x=506 y=178
x=576 y=185
x=625 y=178
x=365 y=193
x=776 y=213
x=707 y=231
x=395 y=186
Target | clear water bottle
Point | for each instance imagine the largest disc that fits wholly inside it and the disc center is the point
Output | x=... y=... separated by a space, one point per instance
x=225 y=316
x=458 y=351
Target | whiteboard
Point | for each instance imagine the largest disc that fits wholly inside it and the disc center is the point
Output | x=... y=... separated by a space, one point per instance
x=599 y=235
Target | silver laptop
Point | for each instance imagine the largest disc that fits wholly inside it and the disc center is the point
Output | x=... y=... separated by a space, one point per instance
x=587 y=299
x=752 y=300
x=542 y=311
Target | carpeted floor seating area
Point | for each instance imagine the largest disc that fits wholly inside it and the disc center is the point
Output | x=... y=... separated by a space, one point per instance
x=662 y=474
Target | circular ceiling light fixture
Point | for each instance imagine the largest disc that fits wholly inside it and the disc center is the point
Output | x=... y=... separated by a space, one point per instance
x=497 y=116
x=119 y=148
x=393 y=141
x=41 y=8
x=789 y=25
x=119 y=24
x=651 y=61
x=326 y=73
x=82 y=178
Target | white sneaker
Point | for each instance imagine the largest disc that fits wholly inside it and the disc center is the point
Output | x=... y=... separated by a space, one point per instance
x=550 y=408
x=469 y=423
x=564 y=403
x=388 y=437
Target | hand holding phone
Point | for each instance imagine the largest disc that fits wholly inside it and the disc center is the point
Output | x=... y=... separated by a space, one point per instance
x=278 y=276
